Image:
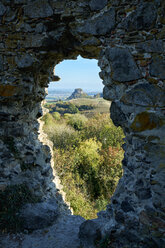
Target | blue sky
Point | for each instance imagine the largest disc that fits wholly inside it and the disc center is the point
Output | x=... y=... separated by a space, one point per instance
x=80 y=73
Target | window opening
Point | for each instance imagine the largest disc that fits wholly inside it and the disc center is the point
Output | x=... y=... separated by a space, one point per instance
x=87 y=146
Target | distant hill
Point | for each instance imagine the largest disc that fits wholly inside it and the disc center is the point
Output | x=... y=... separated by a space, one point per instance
x=78 y=93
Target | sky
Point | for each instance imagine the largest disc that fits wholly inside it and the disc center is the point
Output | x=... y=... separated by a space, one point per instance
x=80 y=73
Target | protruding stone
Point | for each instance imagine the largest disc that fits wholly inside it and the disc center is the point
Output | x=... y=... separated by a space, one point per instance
x=24 y=61
x=101 y=25
x=151 y=46
x=157 y=67
x=89 y=232
x=1 y=63
x=126 y=206
x=39 y=215
x=144 y=94
x=7 y=90
x=143 y=18
x=97 y=4
x=123 y=66
x=38 y=9
x=2 y=9
x=143 y=194
x=145 y=121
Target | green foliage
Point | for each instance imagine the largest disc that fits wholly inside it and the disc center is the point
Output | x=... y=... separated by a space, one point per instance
x=111 y=136
x=63 y=107
x=77 y=121
x=62 y=135
x=87 y=156
x=11 y=200
x=72 y=109
x=73 y=184
x=56 y=116
x=48 y=119
x=86 y=106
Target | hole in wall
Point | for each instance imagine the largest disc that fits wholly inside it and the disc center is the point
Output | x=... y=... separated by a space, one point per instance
x=87 y=146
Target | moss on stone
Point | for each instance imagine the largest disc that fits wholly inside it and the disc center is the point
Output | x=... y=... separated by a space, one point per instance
x=143 y=121
x=7 y=90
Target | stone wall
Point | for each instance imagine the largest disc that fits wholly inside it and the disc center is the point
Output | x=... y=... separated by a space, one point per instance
x=128 y=39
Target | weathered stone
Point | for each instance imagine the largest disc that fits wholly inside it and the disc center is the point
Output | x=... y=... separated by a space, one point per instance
x=7 y=90
x=112 y=92
x=38 y=9
x=89 y=232
x=143 y=193
x=157 y=67
x=39 y=215
x=1 y=63
x=117 y=115
x=119 y=217
x=123 y=66
x=143 y=18
x=40 y=27
x=5 y=116
x=144 y=94
x=32 y=40
x=24 y=61
x=101 y=25
x=125 y=33
x=25 y=27
x=2 y=9
x=126 y=206
x=145 y=121
x=151 y=46
x=97 y=4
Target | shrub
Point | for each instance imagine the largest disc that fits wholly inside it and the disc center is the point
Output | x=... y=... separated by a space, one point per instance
x=77 y=121
x=87 y=160
x=94 y=126
x=88 y=154
x=48 y=119
x=111 y=136
x=110 y=170
x=63 y=136
x=56 y=116
x=73 y=184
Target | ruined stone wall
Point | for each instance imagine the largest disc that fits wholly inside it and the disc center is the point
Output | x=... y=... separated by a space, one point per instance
x=128 y=39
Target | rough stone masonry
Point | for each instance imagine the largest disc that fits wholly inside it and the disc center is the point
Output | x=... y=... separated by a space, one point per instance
x=128 y=40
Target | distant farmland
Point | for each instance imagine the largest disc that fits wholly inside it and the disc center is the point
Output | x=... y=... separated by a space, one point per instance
x=98 y=105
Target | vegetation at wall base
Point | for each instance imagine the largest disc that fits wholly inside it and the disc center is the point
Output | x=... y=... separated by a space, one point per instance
x=87 y=158
x=11 y=200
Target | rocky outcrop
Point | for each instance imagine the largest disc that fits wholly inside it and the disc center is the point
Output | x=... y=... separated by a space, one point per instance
x=78 y=93
x=128 y=39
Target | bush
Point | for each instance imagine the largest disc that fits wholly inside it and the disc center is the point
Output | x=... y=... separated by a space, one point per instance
x=87 y=157
x=77 y=121
x=63 y=136
x=48 y=119
x=73 y=184
x=87 y=160
x=110 y=170
x=94 y=126
x=111 y=136
x=56 y=116
x=88 y=154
